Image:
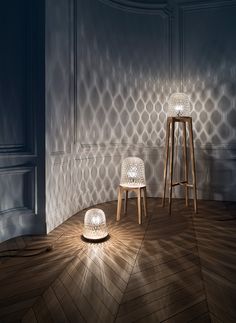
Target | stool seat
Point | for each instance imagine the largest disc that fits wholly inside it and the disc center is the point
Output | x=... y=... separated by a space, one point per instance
x=129 y=186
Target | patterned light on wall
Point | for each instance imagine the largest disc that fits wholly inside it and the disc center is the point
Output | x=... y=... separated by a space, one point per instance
x=178 y=105
x=95 y=227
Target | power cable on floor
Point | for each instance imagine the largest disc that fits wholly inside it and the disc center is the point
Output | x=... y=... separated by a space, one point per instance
x=40 y=251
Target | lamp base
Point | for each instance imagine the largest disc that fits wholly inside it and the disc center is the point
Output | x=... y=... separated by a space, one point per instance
x=92 y=240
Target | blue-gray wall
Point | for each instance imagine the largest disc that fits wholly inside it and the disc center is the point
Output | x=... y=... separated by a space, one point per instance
x=22 y=202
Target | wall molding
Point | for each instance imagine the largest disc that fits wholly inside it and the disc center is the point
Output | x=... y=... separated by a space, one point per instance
x=206 y=4
x=28 y=146
x=23 y=170
x=163 y=9
x=11 y=148
x=75 y=69
x=138 y=7
x=64 y=148
x=219 y=152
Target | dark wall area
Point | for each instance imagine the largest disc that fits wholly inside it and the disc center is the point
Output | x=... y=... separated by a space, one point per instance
x=22 y=118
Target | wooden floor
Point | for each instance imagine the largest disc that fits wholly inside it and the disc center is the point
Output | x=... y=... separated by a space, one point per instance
x=178 y=268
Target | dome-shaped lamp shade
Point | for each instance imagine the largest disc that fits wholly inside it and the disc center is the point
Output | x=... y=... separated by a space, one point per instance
x=178 y=105
x=132 y=172
x=95 y=227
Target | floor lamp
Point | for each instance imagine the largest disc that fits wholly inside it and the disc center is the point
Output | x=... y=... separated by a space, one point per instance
x=178 y=112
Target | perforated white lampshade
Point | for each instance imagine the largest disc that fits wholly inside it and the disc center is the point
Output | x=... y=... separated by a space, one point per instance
x=133 y=172
x=178 y=105
x=95 y=227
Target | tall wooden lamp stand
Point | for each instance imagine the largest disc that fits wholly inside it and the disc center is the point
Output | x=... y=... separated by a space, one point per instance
x=169 y=160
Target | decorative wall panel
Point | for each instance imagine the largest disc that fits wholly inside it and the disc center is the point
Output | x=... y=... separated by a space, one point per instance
x=17 y=189
x=59 y=111
x=15 y=82
x=59 y=204
x=17 y=204
x=58 y=77
x=122 y=75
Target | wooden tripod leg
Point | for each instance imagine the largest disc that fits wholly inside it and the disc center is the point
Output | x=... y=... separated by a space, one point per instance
x=119 y=202
x=126 y=201
x=171 y=163
x=139 y=206
x=193 y=165
x=144 y=201
x=185 y=164
x=166 y=159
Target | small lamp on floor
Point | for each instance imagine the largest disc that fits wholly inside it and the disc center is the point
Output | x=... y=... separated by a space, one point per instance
x=95 y=227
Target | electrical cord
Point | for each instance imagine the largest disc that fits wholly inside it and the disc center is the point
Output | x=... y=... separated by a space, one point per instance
x=40 y=251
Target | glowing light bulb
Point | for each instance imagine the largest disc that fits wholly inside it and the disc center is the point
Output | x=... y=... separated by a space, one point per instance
x=132 y=173
x=95 y=220
x=179 y=107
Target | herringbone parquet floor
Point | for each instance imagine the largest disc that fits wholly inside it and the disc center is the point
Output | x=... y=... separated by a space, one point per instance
x=178 y=268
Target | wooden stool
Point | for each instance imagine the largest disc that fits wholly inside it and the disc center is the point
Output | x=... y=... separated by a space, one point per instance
x=140 y=191
x=170 y=132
